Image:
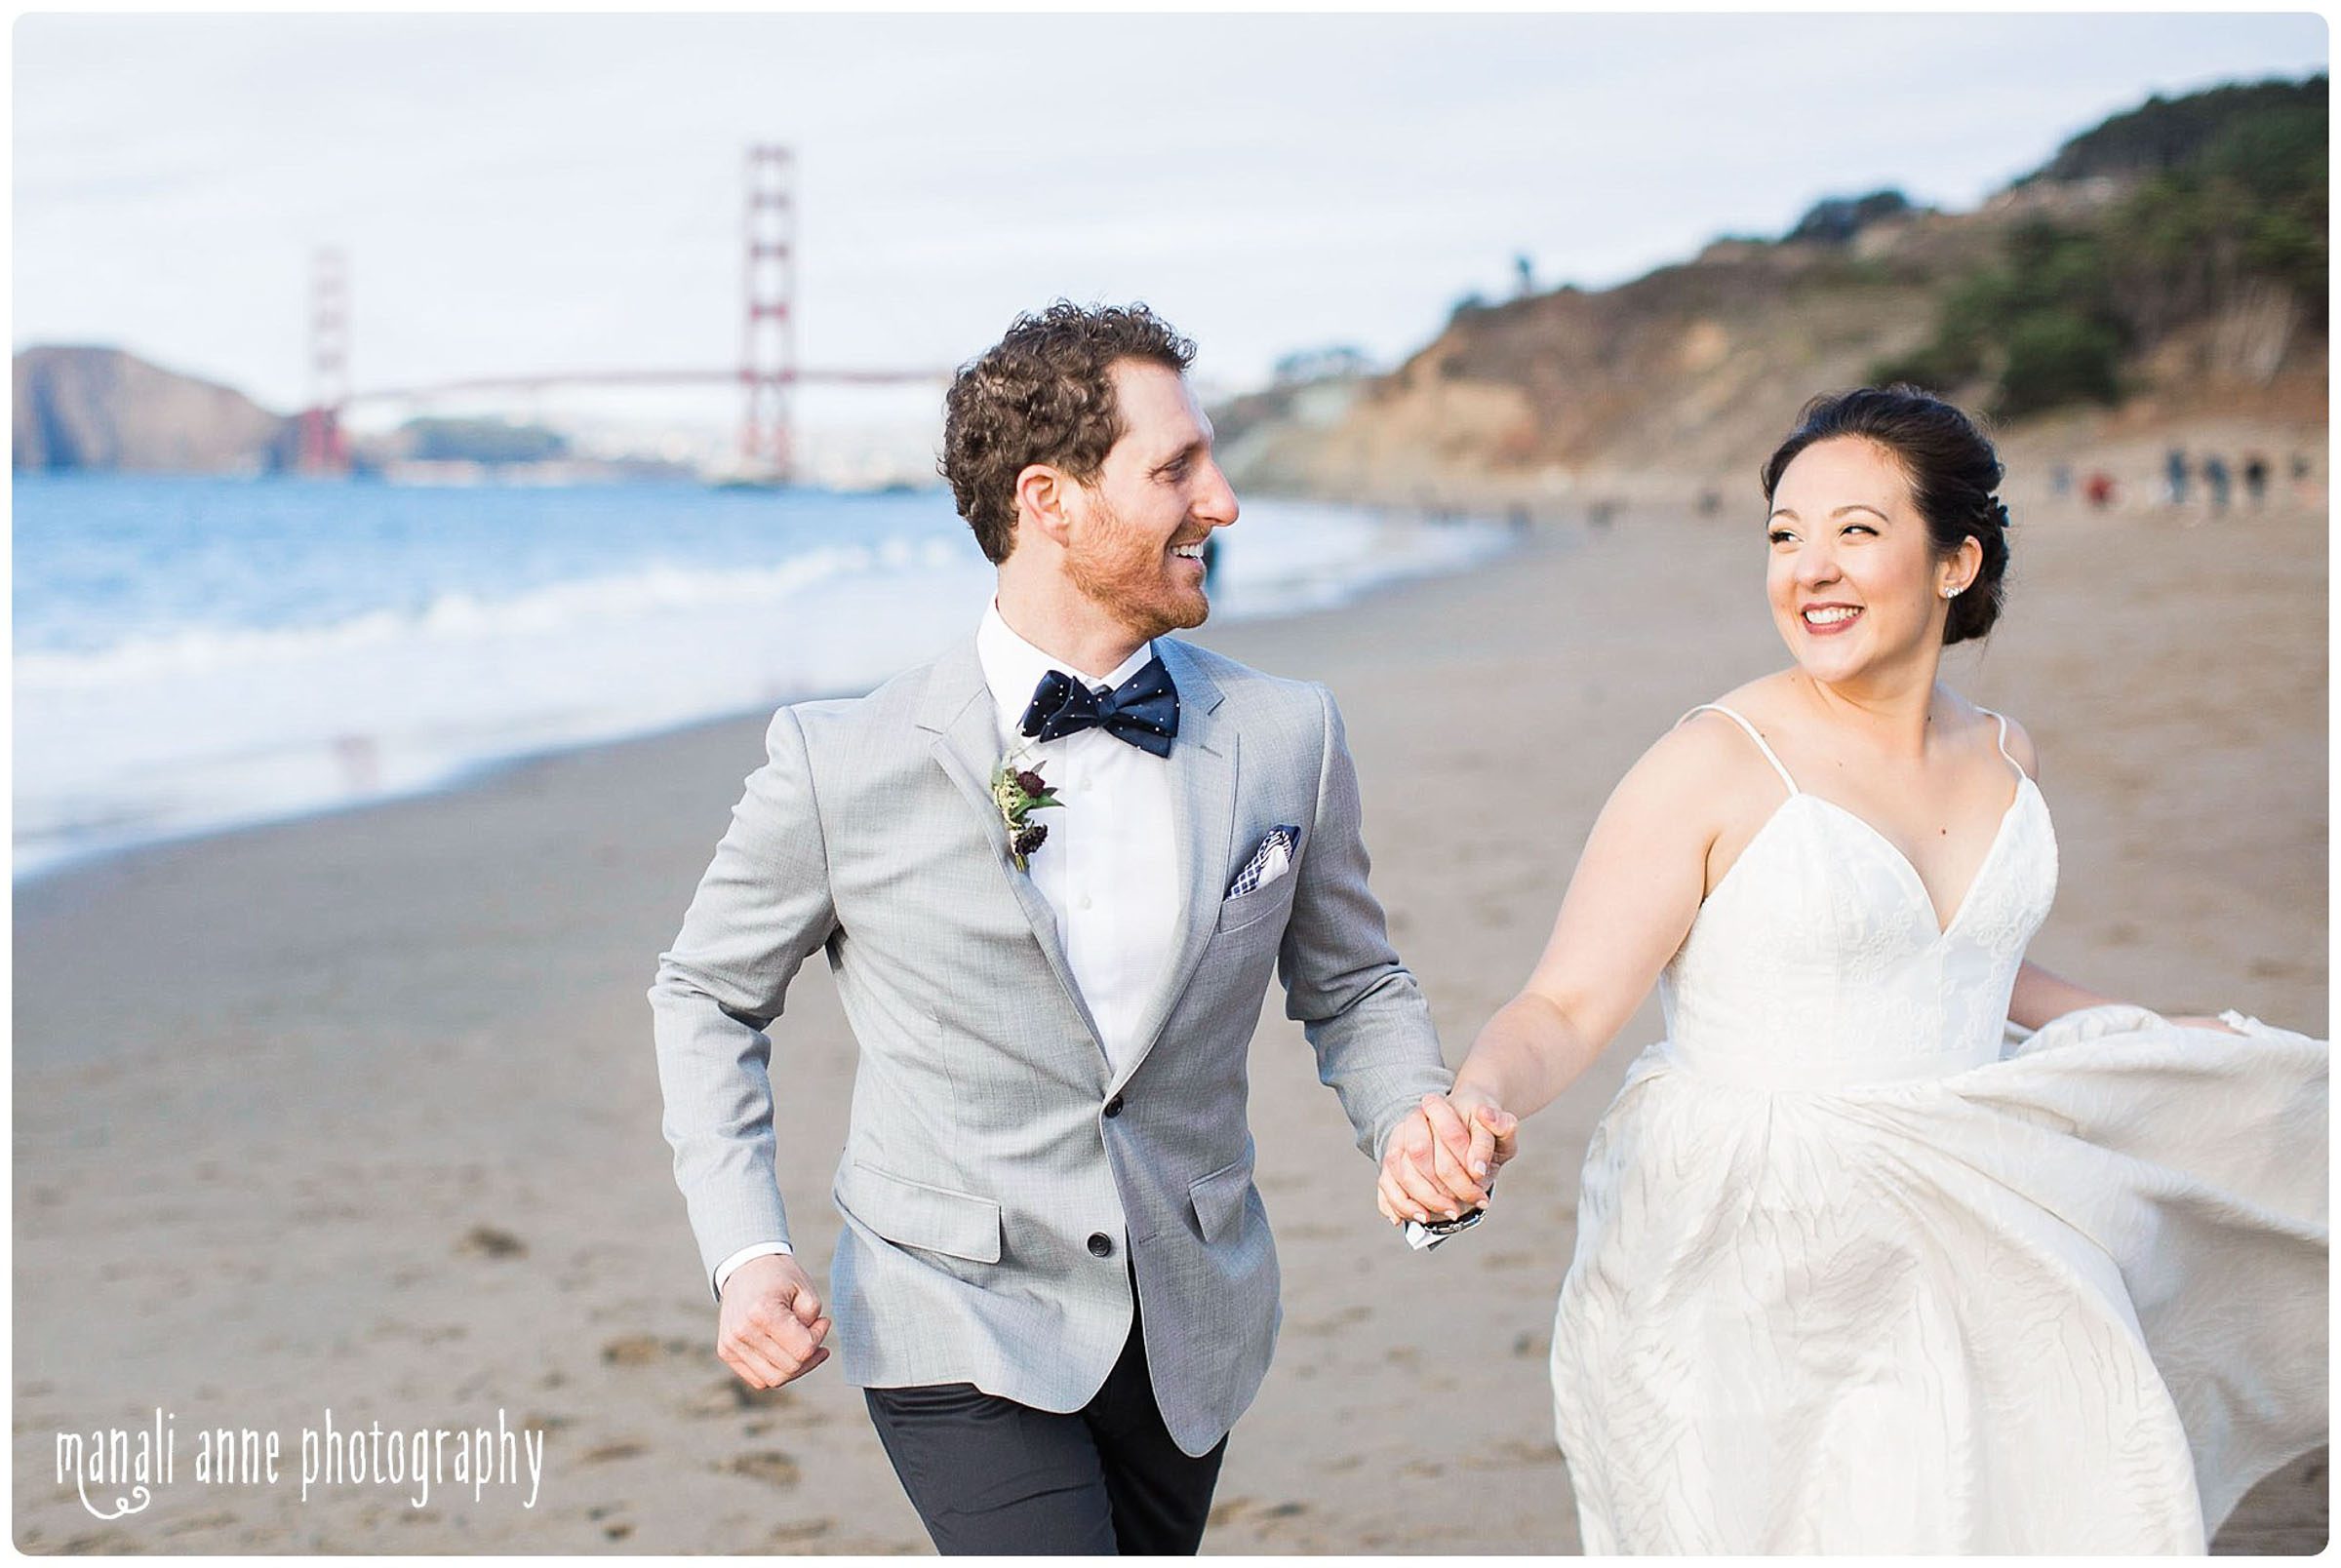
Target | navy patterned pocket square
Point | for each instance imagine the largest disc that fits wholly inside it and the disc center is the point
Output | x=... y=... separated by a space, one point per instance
x=1271 y=860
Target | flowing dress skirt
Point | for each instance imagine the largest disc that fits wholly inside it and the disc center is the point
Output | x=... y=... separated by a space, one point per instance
x=2072 y=1299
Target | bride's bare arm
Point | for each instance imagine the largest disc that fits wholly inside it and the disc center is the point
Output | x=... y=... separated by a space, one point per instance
x=1636 y=889
x=2038 y=995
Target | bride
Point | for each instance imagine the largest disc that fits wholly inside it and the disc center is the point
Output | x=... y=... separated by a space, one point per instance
x=1851 y=1273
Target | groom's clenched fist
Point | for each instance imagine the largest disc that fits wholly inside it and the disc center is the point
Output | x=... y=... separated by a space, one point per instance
x=769 y=1327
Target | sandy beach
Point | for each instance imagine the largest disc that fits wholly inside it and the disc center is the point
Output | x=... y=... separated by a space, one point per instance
x=358 y=1115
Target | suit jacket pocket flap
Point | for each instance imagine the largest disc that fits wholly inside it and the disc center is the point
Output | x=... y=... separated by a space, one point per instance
x=1244 y=909
x=934 y=1217
x=1218 y=1197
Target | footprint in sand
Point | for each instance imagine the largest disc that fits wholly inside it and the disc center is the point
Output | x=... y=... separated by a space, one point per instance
x=488 y=1241
x=770 y=1467
x=199 y=1521
x=1521 y=1451
x=623 y=1449
x=1334 y=1323
x=729 y=1396
x=642 y=1350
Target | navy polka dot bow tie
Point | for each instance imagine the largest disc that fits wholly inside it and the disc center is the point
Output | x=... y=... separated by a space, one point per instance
x=1143 y=710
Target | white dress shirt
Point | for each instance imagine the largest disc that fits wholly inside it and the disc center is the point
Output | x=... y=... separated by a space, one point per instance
x=1110 y=869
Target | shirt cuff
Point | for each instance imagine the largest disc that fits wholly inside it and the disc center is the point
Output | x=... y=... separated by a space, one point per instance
x=761 y=1250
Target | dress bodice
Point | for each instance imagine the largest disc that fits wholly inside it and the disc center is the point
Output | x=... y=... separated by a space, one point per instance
x=1848 y=1278
x=1817 y=959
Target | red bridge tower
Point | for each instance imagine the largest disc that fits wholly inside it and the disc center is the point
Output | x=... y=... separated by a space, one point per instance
x=768 y=365
x=323 y=450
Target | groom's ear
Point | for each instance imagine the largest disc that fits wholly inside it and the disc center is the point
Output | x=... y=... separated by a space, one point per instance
x=1042 y=493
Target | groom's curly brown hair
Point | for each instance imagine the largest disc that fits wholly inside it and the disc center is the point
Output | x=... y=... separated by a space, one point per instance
x=1043 y=395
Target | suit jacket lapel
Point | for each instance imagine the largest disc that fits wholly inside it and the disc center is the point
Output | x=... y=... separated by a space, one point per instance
x=960 y=711
x=1203 y=794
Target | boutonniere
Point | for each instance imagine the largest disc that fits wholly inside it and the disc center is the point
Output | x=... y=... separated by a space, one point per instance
x=1017 y=791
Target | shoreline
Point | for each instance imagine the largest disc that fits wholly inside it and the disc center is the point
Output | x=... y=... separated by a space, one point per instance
x=470 y=774
x=370 y=1097
x=470 y=777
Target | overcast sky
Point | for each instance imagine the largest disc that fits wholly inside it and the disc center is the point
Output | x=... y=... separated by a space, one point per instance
x=525 y=193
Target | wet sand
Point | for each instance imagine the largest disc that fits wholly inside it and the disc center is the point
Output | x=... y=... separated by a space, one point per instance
x=359 y=1112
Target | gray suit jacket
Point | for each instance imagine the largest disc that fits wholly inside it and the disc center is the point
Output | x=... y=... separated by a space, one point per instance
x=991 y=1145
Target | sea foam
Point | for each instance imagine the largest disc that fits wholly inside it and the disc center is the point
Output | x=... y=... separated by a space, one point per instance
x=186 y=668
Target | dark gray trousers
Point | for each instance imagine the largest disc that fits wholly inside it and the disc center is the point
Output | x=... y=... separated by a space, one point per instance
x=993 y=1477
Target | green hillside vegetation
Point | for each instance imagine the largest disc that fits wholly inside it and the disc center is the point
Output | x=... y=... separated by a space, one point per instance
x=479 y=441
x=2168 y=134
x=1837 y=220
x=2230 y=198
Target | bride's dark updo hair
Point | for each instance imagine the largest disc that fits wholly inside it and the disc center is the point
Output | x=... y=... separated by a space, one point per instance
x=1952 y=470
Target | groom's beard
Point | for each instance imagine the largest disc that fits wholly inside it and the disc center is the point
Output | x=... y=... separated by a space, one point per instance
x=1134 y=580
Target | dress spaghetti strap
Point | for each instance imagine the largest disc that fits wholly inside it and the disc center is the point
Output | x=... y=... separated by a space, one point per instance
x=2004 y=751
x=1752 y=735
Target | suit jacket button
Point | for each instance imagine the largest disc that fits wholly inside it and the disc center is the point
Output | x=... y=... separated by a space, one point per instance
x=1113 y=1106
x=1101 y=1246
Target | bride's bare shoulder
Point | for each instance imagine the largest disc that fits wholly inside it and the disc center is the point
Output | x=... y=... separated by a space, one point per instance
x=1706 y=748
x=2019 y=741
x=1985 y=725
x=1757 y=703
x=2021 y=748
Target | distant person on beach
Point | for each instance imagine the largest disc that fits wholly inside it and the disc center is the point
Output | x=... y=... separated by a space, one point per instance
x=1052 y=871
x=2098 y=490
x=2215 y=480
x=1851 y=1275
x=2174 y=475
x=2255 y=478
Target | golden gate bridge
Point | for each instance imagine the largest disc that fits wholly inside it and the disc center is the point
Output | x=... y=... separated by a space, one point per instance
x=768 y=372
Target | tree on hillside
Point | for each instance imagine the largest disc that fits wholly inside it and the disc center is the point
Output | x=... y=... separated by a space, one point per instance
x=2235 y=208
x=1338 y=362
x=2163 y=134
x=1836 y=219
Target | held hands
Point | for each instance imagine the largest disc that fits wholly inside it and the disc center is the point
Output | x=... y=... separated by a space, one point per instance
x=769 y=1327
x=1442 y=1159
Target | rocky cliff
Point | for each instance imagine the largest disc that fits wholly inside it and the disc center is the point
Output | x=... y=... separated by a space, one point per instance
x=90 y=407
x=2132 y=288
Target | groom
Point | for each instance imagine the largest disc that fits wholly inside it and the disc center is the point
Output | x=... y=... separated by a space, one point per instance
x=1051 y=872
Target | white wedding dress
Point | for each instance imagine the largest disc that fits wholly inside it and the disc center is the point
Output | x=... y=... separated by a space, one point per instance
x=1853 y=1274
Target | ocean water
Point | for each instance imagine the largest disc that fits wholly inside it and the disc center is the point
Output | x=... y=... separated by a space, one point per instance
x=193 y=654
